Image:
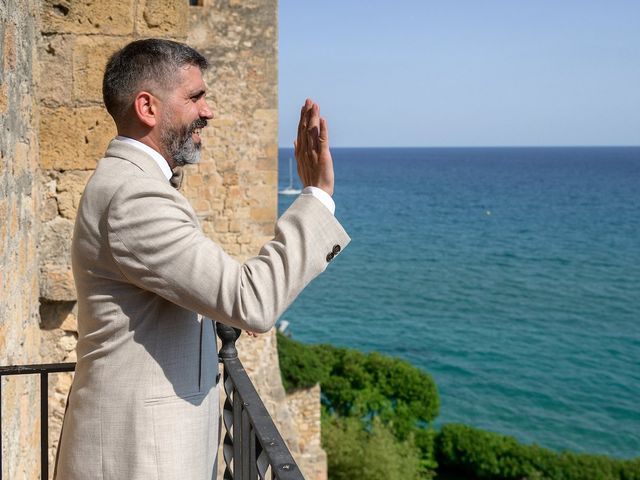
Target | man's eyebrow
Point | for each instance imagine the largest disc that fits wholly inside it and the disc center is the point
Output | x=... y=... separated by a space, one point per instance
x=197 y=93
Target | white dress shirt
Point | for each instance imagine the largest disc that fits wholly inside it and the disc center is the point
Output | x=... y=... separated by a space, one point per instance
x=320 y=194
x=159 y=159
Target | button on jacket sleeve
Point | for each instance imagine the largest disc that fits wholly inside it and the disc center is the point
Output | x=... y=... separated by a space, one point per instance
x=158 y=245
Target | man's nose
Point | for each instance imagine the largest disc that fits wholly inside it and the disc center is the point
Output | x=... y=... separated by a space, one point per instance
x=205 y=111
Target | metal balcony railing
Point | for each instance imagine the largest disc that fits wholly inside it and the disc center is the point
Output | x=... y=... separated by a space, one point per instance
x=43 y=370
x=252 y=449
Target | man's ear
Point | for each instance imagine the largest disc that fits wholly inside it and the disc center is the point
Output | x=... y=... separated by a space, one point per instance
x=146 y=108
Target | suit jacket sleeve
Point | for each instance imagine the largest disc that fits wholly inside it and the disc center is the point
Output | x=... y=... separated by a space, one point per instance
x=155 y=240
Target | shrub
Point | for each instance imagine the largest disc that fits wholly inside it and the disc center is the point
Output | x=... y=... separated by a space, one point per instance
x=355 y=383
x=355 y=452
x=366 y=388
x=485 y=455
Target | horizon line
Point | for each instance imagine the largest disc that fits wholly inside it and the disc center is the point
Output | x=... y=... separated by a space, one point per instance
x=280 y=147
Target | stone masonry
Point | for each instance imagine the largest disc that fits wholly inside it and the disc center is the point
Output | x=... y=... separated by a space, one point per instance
x=19 y=228
x=304 y=406
x=54 y=129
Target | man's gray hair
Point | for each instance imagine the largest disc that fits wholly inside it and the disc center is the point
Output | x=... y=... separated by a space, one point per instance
x=151 y=64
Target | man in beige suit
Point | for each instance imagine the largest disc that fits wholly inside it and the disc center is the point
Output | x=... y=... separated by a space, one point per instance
x=144 y=402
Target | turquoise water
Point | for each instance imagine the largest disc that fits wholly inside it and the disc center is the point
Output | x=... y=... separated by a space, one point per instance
x=512 y=275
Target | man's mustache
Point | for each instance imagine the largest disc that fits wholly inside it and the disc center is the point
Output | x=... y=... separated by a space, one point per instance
x=200 y=123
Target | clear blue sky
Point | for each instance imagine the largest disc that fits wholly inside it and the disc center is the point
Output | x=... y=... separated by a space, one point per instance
x=463 y=73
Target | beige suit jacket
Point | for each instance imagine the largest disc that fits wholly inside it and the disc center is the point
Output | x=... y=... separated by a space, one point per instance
x=144 y=402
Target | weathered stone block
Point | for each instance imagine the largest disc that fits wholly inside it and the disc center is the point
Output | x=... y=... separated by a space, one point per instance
x=221 y=225
x=55 y=244
x=21 y=164
x=48 y=209
x=163 y=18
x=202 y=206
x=74 y=138
x=235 y=226
x=90 y=56
x=266 y=163
x=68 y=342
x=58 y=315
x=56 y=283
x=55 y=69
x=70 y=16
x=267 y=115
x=9 y=46
x=194 y=180
x=4 y=213
x=263 y=194
x=70 y=187
x=222 y=122
x=271 y=149
x=263 y=214
x=230 y=178
x=3 y=98
x=14 y=223
x=234 y=192
x=270 y=177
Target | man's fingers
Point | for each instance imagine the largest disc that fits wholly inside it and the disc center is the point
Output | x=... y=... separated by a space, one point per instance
x=313 y=132
x=312 y=143
x=298 y=161
x=314 y=117
x=302 y=125
x=324 y=134
x=303 y=111
x=299 y=140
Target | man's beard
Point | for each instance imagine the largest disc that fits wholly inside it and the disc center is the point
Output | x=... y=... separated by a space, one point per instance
x=179 y=144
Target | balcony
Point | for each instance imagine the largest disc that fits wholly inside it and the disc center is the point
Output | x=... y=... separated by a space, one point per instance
x=252 y=446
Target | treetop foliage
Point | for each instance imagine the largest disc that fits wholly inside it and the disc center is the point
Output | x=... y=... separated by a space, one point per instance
x=360 y=384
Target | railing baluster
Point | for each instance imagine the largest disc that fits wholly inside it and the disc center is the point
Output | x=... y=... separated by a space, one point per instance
x=227 y=418
x=237 y=436
x=262 y=464
x=1 y=377
x=246 y=440
x=253 y=468
x=44 y=426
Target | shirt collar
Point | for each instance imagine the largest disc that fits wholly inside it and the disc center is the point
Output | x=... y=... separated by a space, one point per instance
x=159 y=159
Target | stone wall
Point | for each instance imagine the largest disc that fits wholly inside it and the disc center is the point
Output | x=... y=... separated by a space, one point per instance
x=304 y=406
x=54 y=129
x=234 y=188
x=19 y=211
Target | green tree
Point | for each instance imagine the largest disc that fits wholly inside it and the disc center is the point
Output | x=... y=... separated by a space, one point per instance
x=367 y=388
x=355 y=452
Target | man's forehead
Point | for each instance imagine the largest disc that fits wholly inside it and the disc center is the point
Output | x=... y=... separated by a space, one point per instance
x=190 y=78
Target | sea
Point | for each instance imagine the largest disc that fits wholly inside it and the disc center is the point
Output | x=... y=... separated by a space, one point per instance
x=511 y=275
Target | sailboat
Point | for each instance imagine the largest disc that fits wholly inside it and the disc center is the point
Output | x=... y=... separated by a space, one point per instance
x=290 y=190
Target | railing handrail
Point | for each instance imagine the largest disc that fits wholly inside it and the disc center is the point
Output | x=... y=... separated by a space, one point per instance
x=37 y=368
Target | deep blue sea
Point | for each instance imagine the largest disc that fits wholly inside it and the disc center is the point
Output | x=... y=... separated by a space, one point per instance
x=512 y=275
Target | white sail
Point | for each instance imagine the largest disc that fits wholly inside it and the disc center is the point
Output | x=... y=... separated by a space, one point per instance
x=290 y=190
